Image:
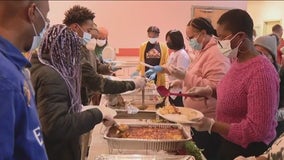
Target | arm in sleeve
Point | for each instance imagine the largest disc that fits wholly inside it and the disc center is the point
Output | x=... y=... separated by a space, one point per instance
x=53 y=103
x=102 y=67
x=96 y=82
x=7 y=121
x=212 y=71
x=262 y=101
x=281 y=98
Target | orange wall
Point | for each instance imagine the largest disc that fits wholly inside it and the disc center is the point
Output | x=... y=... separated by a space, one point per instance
x=127 y=21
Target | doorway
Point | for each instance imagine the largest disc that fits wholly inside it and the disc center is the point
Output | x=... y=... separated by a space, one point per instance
x=210 y=13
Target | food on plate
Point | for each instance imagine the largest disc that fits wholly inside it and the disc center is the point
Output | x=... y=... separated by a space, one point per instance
x=179 y=114
x=169 y=110
x=168 y=133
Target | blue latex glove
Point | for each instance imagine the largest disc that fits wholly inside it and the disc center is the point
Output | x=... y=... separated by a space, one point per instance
x=134 y=74
x=152 y=76
x=155 y=70
x=149 y=73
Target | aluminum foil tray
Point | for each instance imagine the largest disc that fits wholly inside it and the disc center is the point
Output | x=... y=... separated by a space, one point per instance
x=144 y=157
x=148 y=144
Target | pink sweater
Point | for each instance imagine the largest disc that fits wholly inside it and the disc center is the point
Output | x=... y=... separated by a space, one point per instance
x=247 y=100
x=207 y=68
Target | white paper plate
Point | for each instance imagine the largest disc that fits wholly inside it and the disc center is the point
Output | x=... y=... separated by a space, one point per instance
x=107 y=110
x=108 y=54
x=187 y=115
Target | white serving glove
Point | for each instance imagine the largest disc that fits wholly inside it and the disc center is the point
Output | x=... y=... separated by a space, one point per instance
x=204 y=124
x=177 y=72
x=244 y=158
x=200 y=92
x=108 y=115
x=140 y=82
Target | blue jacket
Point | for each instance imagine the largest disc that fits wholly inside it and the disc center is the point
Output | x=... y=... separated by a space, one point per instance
x=20 y=132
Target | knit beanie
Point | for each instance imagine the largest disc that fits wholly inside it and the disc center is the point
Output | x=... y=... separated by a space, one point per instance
x=268 y=42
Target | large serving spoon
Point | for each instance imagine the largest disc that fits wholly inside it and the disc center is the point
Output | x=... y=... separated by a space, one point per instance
x=164 y=92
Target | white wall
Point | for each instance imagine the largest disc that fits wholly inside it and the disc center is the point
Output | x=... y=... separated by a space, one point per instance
x=128 y=21
x=262 y=11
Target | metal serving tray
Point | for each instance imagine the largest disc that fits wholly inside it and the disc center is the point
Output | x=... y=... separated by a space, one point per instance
x=144 y=157
x=148 y=144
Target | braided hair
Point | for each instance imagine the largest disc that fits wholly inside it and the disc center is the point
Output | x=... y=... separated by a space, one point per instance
x=201 y=23
x=62 y=47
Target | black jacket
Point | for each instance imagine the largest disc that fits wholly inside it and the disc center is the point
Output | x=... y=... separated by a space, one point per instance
x=61 y=129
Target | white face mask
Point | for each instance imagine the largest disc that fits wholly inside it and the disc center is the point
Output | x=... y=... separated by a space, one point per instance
x=101 y=42
x=225 y=48
x=153 y=40
x=38 y=37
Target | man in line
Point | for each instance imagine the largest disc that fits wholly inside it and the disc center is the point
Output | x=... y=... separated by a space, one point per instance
x=80 y=20
x=21 y=25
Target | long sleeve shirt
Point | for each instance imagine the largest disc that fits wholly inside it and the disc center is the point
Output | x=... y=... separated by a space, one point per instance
x=248 y=101
x=208 y=68
x=20 y=130
x=179 y=59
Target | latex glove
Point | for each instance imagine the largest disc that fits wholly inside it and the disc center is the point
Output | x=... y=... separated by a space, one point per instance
x=149 y=72
x=177 y=72
x=155 y=69
x=140 y=82
x=244 y=158
x=107 y=115
x=205 y=124
x=200 y=91
x=108 y=121
x=114 y=68
x=134 y=74
x=152 y=76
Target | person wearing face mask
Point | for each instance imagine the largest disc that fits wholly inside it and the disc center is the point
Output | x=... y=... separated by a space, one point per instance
x=80 y=20
x=153 y=53
x=56 y=77
x=207 y=69
x=101 y=42
x=21 y=135
x=179 y=58
x=247 y=96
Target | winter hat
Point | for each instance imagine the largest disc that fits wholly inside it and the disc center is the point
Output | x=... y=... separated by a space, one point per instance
x=268 y=42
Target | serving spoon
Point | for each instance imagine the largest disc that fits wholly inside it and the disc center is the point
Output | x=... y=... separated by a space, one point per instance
x=164 y=92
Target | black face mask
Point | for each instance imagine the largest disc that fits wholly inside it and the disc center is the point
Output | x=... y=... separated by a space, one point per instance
x=170 y=46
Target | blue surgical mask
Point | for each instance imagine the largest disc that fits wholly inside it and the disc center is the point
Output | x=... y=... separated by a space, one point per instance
x=38 y=36
x=86 y=36
x=194 y=44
